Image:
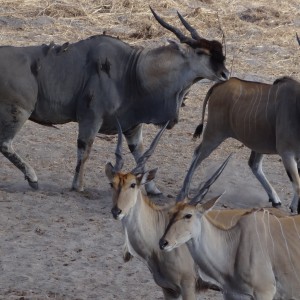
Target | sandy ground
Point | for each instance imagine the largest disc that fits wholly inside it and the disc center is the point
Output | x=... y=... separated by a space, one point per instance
x=60 y=244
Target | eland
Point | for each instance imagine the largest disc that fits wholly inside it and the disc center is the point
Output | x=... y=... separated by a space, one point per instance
x=92 y=81
x=252 y=254
x=144 y=223
x=264 y=117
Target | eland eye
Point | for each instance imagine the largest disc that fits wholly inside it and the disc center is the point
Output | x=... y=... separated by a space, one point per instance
x=188 y=216
x=202 y=51
x=133 y=185
x=111 y=184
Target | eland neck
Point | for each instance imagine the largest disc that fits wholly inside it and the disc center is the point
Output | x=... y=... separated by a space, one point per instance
x=145 y=224
x=160 y=67
x=213 y=249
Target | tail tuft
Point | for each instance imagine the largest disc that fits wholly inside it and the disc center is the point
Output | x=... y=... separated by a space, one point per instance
x=198 y=131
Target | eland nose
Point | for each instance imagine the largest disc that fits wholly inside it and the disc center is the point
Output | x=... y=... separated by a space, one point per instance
x=225 y=75
x=163 y=243
x=116 y=211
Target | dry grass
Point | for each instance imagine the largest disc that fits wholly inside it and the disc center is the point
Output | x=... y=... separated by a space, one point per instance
x=260 y=35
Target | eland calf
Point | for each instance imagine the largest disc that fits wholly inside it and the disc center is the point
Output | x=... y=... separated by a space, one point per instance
x=144 y=223
x=264 y=117
x=252 y=254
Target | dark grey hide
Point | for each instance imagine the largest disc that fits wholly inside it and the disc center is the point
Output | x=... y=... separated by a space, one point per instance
x=92 y=82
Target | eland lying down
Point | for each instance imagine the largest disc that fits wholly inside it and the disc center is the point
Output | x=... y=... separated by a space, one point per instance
x=251 y=254
x=144 y=223
x=266 y=118
x=92 y=81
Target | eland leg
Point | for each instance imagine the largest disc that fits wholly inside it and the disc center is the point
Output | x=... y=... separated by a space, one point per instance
x=237 y=296
x=170 y=295
x=88 y=129
x=188 y=290
x=267 y=294
x=12 y=118
x=291 y=168
x=255 y=163
x=134 y=138
x=209 y=143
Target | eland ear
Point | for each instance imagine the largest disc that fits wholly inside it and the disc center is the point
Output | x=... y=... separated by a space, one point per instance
x=109 y=171
x=210 y=204
x=146 y=176
x=177 y=46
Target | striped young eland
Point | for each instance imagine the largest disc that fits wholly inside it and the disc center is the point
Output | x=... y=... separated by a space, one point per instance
x=252 y=254
x=264 y=117
x=144 y=223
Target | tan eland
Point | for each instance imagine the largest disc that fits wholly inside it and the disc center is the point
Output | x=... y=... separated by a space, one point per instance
x=264 y=117
x=252 y=254
x=144 y=223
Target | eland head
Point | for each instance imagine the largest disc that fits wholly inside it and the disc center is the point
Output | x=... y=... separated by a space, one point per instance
x=186 y=214
x=206 y=56
x=126 y=186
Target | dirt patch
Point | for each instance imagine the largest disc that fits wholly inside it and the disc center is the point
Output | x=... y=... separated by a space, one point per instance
x=261 y=15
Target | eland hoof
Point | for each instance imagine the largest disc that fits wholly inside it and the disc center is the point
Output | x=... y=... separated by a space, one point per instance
x=276 y=204
x=151 y=189
x=33 y=184
x=127 y=257
x=154 y=192
x=77 y=188
x=294 y=210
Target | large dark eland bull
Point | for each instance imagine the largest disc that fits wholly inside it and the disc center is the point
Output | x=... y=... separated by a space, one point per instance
x=93 y=81
x=264 y=117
